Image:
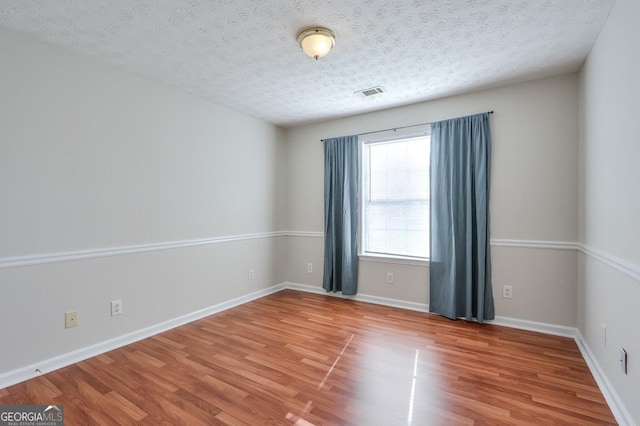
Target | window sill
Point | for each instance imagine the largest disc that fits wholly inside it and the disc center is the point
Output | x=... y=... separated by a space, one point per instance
x=397 y=260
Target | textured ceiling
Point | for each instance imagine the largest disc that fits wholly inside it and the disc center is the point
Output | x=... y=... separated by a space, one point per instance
x=243 y=53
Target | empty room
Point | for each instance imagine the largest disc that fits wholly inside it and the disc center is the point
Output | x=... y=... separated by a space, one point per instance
x=319 y=213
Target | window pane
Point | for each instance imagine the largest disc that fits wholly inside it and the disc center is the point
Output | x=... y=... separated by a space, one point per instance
x=396 y=197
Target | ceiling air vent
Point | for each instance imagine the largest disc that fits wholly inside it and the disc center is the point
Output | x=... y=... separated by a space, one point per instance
x=370 y=92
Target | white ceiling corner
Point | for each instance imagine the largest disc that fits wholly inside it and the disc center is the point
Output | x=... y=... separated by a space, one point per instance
x=243 y=54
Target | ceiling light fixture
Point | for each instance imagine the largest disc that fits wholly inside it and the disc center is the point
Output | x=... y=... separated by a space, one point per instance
x=316 y=42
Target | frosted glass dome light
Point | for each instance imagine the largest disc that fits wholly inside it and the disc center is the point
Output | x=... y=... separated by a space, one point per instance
x=316 y=42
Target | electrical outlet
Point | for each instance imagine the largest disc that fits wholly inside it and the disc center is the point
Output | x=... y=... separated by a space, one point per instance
x=310 y=268
x=116 y=307
x=70 y=319
x=507 y=292
x=623 y=360
x=390 y=277
x=603 y=334
x=252 y=274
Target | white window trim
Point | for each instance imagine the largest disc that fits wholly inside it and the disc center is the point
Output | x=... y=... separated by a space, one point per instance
x=386 y=135
x=396 y=260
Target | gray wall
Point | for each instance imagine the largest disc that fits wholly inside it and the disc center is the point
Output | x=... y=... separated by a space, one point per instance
x=93 y=158
x=609 y=267
x=533 y=206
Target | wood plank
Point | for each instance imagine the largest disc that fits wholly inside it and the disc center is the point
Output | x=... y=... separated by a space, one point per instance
x=297 y=358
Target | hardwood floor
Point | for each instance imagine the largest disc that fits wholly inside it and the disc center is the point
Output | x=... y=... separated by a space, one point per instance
x=298 y=358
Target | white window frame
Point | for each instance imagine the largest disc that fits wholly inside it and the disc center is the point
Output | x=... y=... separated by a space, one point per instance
x=384 y=136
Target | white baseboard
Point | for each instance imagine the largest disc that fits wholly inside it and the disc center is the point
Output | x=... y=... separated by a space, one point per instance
x=24 y=373
x=30 y=371
x=539 y=327
x=615 y=403
x=618 y=409
x=396 y=303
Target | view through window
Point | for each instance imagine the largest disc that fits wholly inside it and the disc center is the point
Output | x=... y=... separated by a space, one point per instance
x=395 y=197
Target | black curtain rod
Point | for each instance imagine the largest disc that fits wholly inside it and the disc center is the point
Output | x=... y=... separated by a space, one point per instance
x=406 y=127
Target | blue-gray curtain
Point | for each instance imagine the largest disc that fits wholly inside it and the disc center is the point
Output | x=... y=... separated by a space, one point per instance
x=460 y=258
x=341 y=214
